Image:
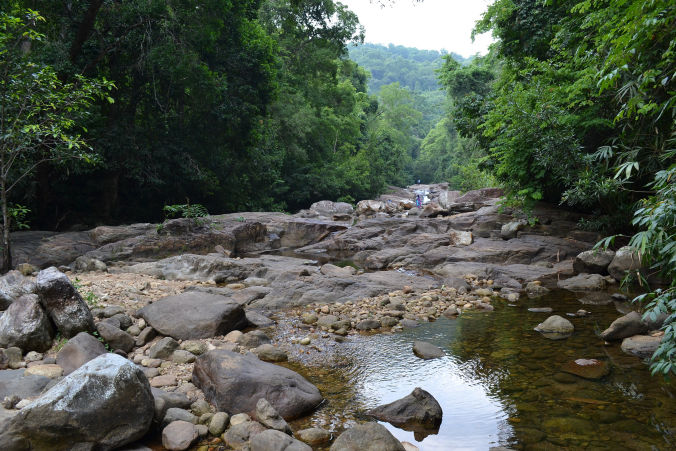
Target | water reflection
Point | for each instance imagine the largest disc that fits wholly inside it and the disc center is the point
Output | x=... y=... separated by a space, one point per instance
x=501 y=383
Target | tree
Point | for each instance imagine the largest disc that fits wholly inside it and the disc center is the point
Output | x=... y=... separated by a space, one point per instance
x=39 y=113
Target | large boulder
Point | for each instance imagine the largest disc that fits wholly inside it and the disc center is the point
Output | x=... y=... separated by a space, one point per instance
x=103 y=405
x=193 y=315
x=26 y=326
x=625 y=326
x=234 y=383
x=63 y=303
x=367 y=437
x=510 y=230
x=595 y=261
x=272 y=440
x=583 y=282
x=79 y=350
x=626 y=260
x=412 y=412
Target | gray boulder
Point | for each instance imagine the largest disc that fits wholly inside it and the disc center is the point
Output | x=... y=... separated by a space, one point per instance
x=555 y=327
x=163 y=349
x=625 y=326
x=419 y=410
x=643 y=346
x=79 y=350
x=63 y=303
x=194 y=314
x=234 y=383
x=595 y=261
x=272 y=440
x=26 y=326
x=583 y=282
x=626 y=260
x=367 y=437
x=115 y=337
x=104 y=404
x=328 y=208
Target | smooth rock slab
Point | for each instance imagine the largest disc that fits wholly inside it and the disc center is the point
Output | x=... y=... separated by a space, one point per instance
x=106 y=404
x=193 y=315
x=63 y=303
x=367 y=437
x=234 y=383
x=426 y=350
x=272 y=440
x=79 y=350
x=415 y=411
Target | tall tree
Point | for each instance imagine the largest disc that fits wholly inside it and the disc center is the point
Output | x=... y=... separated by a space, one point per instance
x=40 y=115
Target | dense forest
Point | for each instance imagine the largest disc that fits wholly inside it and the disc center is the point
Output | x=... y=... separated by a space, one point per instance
x=112 y=110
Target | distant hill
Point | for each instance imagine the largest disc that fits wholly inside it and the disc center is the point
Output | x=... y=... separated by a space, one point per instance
x=411 y=67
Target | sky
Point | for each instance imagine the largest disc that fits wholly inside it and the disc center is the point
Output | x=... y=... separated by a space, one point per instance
x=429 y=25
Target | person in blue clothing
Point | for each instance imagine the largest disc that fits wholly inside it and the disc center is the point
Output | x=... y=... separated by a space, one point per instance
x=418 y=201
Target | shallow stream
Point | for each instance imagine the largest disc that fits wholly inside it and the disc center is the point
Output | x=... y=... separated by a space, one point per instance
x=500 y=383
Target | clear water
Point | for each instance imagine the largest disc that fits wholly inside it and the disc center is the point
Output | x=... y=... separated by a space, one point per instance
x=500 y=383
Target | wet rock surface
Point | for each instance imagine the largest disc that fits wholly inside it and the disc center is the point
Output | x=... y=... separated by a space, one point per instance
x=419 y=410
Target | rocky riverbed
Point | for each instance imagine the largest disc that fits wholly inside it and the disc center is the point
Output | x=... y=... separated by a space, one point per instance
x=209 y=323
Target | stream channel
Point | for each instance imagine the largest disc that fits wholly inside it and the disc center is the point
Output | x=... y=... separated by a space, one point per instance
x=500 y=383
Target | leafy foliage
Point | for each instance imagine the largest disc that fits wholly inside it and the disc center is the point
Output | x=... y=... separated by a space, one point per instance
x=582 y=111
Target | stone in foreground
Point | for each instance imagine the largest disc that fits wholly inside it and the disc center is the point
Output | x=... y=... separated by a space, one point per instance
x=367 y=437
x=415 y=411
x=193 y=315
x=63 y=303
x=426 y=350
x=105 y=404
x=272 y=440
x=234 y=383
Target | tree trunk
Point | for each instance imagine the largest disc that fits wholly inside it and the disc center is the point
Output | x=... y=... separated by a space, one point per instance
x=6 y=262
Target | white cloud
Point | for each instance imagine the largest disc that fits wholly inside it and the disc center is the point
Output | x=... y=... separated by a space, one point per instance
x=431 y=24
